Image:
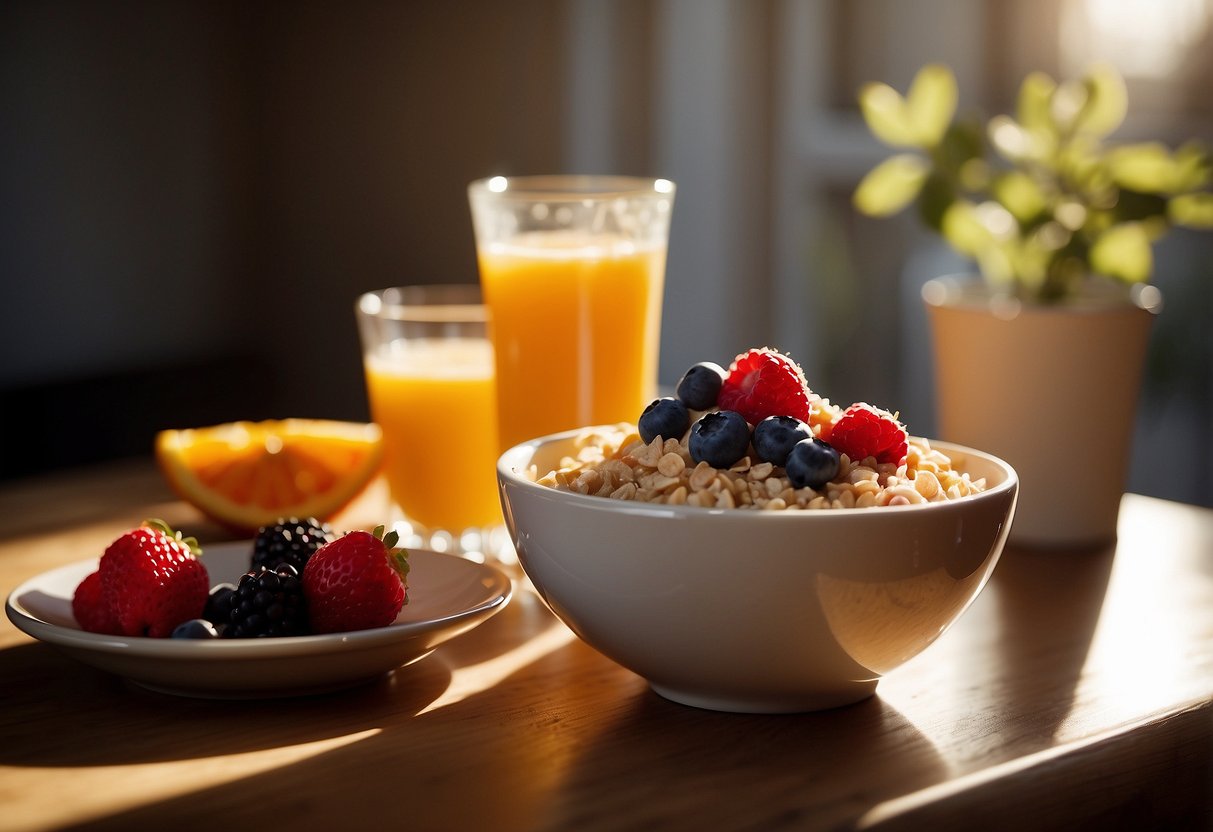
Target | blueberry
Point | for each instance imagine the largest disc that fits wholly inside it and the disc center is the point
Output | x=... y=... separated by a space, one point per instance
x=812 y=463
x=775 y=436
x=665 y=417
x=720 y=438
x=219 y=603
x=700 y=385
x=195 y=628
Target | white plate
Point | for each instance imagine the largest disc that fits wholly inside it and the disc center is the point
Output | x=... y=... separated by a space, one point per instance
x=447 y=596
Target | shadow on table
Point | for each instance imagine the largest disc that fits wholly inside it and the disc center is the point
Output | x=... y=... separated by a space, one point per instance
x=547 y=747
x=820 y=770
x=73 y=715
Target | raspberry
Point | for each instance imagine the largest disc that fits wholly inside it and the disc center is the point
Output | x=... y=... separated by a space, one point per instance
x=863 y=431
x=764 y=383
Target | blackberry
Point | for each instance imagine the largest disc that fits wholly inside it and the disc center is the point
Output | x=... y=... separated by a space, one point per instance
x=268 y=604
x=290 y=540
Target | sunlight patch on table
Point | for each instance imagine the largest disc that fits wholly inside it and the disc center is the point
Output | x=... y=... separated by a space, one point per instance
x=1144 y=645
x=97 y=792
x=473 y=679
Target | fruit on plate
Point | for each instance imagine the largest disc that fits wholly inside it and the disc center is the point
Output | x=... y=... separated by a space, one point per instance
x=194 y=629
x=92 y=613
x=268 y=603
x=246 y=475
x=291 y=540
x=149 y=581
x=357 y=582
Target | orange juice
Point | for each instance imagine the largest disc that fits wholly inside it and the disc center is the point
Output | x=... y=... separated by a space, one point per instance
x=575 y=324
x=434 y=400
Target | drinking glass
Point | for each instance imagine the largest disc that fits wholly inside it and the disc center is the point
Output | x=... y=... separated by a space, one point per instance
x=430 y=382
x=573 y=269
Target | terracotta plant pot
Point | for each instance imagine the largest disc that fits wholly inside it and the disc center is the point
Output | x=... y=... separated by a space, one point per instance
x=1052 y=389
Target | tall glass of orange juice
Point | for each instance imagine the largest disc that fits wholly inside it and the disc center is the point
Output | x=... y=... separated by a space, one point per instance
x=430 y=383
x=573 y=269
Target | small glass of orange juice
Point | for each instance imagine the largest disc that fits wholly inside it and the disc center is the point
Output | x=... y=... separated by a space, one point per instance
x=573 y=269
x=430 y=383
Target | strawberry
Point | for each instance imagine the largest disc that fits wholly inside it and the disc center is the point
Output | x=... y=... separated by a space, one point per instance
x=762 y=383
x=864 y=430
x=88 y=605
x=356 y=582
x=151 y=580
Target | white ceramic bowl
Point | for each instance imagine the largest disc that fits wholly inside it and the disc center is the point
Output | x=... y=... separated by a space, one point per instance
x=755 y=611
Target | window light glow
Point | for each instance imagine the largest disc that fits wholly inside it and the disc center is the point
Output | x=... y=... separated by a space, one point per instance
x=1142 y=38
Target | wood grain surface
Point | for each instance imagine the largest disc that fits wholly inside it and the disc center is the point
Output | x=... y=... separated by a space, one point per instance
x=1076 y=693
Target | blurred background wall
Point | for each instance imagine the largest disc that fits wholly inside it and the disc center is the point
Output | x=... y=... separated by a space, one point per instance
x=193 y=193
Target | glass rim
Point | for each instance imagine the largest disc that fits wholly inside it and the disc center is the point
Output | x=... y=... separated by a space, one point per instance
x=571 y=187
x=435 y=303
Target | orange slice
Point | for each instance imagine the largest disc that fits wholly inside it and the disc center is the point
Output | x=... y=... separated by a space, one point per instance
x=248 y=474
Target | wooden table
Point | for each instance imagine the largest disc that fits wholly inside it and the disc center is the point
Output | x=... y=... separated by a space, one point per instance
x=1076 y=693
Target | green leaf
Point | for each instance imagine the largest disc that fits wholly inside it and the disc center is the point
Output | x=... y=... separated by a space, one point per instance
x=1195 y=166
x=1068 y=102
x=1081 y=161
x=997 y=264
x=1106 y=104
x=1020 y=195
x=1192 y=210
x=1146 y=167
x=931 y=103
x=891 y=185
x=1034 y=110
x=963 y=229
x=887 y=115
x=1123 y=251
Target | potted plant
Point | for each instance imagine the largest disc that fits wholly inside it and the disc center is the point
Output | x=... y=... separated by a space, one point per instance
x=1039 y=357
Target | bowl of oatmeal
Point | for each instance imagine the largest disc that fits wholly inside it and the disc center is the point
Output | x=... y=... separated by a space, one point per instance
x=734 y=590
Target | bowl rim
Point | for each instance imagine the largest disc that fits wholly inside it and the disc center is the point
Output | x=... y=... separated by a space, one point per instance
x=506 y=473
